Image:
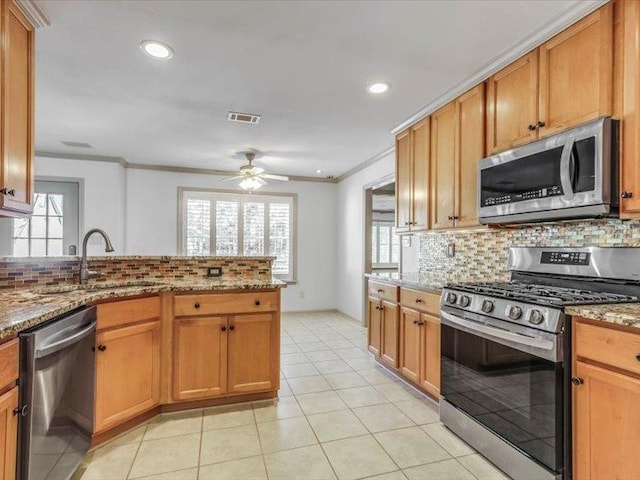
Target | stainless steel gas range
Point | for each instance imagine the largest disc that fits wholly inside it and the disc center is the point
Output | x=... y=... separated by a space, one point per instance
x=506 y=353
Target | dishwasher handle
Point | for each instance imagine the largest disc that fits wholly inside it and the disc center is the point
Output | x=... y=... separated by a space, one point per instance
x=48 y=349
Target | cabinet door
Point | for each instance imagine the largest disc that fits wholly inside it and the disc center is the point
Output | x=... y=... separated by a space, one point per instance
x=390 y=334
x=8 y=434
x=420 y=142
x=410 y=344
x=630 y=135
x=430 y=379
x=606 y=419
x=374 y=316
x=199 y=357
x=127 y=373
x=576 y=73
x=253 y=349
x=512 y=104
x=470 y=144
x=403 y=181
x=18 y=110
x=442 y=181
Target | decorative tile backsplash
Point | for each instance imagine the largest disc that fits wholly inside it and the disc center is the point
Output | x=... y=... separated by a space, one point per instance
x=482 y=255
x=32 y=272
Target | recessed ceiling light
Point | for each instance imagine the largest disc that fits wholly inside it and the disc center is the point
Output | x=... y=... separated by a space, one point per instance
x=156 y=49
x=378 y=87
x=318 y=171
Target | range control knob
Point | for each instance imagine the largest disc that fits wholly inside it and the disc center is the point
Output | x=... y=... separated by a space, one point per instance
x=514 y=312
x=487 y=306
x=464 y=301
x=451 y=298
x=536 y=317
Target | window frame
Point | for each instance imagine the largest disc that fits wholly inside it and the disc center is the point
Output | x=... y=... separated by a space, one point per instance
x=292 y=277
x=375 y=225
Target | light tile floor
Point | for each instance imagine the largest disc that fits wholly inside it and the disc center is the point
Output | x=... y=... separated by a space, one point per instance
x=339 y=415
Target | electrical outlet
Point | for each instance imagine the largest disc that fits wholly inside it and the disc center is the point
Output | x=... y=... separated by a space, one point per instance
x=451 y=250
x=301 y=294
x=214 y=272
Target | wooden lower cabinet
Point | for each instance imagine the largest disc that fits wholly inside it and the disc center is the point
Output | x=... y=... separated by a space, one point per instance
x=8 y=434
x=253 y=349
x=374 y=314
x=430 y=359
x=199 y=357
x=606 y=423
x=390 y=334
x=410 y=344
x=127 y=373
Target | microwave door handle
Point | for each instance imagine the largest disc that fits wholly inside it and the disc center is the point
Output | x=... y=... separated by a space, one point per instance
x=567 y=164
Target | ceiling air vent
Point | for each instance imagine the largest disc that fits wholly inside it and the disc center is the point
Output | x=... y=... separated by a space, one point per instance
x=243 y=118
x=76 y=144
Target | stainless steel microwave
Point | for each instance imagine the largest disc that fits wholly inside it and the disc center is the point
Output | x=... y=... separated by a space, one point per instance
x=573 y=174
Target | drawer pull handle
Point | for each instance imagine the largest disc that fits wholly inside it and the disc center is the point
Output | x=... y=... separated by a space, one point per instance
x=102 y=348
x=22 y=411
x=577 y=380
x=638 y=357
x=232 y=327
x=380 y=290
x=540 y=124
x=257 y=302
x=418 y=300
x=11 y=193
x=223 y=328
x=3 y=191
x=196 y=305
x=415 y=322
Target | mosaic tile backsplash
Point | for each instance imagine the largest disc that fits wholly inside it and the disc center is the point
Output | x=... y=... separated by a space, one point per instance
x=36 y=272
x=482 y=255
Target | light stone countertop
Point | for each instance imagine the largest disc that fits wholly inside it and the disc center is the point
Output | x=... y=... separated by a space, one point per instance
x=627 y=314
x=21 y=309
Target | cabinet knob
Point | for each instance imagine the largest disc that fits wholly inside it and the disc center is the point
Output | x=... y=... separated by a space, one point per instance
x=638 y=357
x=420 y=323
x=102 y=348
x=232 y=327
x=577 y=380
x=415 y=322
x=418 y=300
x=531 y=128
x=626 y=194
x=223 y=328
x=3 y=191
x=540 y=124
x=196 y=305
x=257 y=302
x=22 y=411
x=11 y=193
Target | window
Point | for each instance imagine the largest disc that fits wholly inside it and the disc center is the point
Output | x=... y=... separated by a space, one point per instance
x=385 y=245
x=222 y=223
x=53 y=227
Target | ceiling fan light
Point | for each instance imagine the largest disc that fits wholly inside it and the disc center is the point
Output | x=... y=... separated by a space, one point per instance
x=250 y=184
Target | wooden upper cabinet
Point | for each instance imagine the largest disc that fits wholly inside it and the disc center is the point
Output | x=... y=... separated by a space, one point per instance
x=403 y=181
x=576 y=73
x=442 y=181
x=17 y=109
x=420 y=146
x=605 y=424
x=630 y=135
x=199 y=357
x=127 y=373
x=8 y=434
x=512 y=104
x=470 y=145
x=253 y=349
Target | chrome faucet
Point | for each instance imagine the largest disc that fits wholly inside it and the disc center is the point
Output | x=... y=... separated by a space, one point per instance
x=85 y=273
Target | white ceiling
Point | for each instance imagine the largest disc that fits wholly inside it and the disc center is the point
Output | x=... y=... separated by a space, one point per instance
x=302 y=65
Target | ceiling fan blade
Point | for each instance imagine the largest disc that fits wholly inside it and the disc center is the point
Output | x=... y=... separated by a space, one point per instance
x=276 y=177
x=260 y=180
x=229 y=179
x=257 y=170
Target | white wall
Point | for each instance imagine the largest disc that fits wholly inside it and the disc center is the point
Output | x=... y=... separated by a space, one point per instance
x=104 y=197
x=139 y=211
x=350 y=235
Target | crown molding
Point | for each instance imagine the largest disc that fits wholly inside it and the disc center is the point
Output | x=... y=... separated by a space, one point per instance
x=572 y=14
x=33 y=12
x=168 y=168
x=365 y=164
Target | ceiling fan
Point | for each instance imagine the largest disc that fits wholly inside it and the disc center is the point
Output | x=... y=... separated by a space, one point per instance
x=252 y=177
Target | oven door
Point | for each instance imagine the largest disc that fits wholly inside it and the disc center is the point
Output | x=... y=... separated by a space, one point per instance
x=505 y=384
x=565 y=175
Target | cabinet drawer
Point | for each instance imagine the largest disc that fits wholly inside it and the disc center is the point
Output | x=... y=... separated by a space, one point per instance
x=383 y=290
x=607 y=345
x=128 y=311
x=8 y=363
x=423 y=301
x=224 y=303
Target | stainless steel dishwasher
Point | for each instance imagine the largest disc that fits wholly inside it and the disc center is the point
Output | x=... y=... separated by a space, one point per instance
x=57 y=367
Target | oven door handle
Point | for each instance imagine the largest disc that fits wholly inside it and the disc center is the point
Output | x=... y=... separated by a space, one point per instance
x=491 y=333
x=567 y=164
